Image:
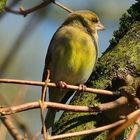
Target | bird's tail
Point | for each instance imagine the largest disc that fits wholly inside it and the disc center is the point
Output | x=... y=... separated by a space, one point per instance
x=50 y=117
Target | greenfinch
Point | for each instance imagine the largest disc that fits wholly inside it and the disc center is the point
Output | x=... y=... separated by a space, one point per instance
x=72 y=54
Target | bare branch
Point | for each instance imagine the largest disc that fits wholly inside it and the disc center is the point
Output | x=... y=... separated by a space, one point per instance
x=62 y=6
x=45 y=3
x=129 y=119
x=42 y=107
x=12 y=4
x=43 y=98
x=27 y=106
x=23 y=12
x=36 y=83
x=18 y=122
x=134 y=130
x=11 y=128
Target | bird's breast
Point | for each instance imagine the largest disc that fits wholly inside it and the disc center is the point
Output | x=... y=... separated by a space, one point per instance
x=75 y=57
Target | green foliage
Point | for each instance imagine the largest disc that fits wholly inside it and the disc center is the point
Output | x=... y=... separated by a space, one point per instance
x=2 y=5
x=132 y=15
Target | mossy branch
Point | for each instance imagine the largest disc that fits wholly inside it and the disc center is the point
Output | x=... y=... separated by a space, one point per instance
x=119 y=61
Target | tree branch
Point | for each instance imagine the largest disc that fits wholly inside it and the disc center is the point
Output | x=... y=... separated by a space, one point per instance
x=129 y=119
x=36 y=83
x=23 y=12
x=11 y=128
x=134 y=130
x=45 y=3
x=33 y=105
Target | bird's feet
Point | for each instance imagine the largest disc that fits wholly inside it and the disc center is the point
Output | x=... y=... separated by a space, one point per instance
x=62 y=84
x=82 y=87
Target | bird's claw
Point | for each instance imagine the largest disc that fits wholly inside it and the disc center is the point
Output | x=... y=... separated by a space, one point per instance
x=82 y=87
x=62 y=84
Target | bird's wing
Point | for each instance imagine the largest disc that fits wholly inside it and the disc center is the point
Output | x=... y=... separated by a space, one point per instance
x=47 y=63
x=48 y=58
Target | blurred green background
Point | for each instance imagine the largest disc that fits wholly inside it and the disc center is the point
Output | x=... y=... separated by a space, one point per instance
x=26 y=41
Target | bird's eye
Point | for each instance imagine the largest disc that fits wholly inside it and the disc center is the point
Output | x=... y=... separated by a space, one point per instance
x=95 y=20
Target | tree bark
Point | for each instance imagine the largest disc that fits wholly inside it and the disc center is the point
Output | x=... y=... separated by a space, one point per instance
x=117 y=69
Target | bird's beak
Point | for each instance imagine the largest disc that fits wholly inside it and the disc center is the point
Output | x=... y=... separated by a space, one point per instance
x=100 y=27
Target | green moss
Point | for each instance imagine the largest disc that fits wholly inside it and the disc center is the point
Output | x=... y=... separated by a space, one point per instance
x=76 y=120
x=132 y=15
x=124 y=55
x=2 y=5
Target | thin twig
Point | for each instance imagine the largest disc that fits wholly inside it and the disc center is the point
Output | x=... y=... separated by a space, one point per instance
x=15 y=118
x=45 y=3
x=43 y=96
x=134 y=130
x=11 y=4
x=62 y=6
x=3 y=132
x=42 y=107
x=33 y=105
x=130 y=118
x=35 y=83
x=24 y=12
x=11 y=128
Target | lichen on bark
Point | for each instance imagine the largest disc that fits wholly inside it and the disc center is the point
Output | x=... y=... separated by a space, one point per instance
x=123 y=55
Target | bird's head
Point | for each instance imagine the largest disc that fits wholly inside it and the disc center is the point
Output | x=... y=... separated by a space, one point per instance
x=87 y=19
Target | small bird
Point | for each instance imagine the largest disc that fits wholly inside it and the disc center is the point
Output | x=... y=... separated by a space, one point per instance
x=72 y=54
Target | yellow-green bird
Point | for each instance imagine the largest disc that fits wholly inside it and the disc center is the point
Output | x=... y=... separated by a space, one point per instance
x=72 y=54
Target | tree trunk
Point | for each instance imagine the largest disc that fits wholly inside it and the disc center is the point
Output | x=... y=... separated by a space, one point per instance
x=120 y=61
